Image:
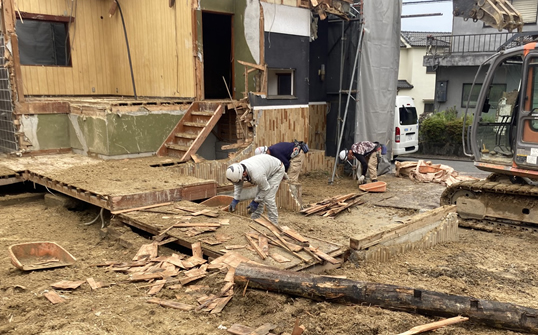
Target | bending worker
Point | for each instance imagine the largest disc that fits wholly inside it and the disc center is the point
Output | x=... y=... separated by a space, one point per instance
x=366 y=152
x=291 y=154
x=266 y=172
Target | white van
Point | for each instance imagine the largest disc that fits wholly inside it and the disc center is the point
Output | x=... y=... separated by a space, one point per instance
x=405 y=136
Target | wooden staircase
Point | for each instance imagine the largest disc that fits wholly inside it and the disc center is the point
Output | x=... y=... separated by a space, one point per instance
x=191 y=131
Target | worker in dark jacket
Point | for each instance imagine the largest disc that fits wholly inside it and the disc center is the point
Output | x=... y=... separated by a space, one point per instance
x=291 y=154
x=367 y=153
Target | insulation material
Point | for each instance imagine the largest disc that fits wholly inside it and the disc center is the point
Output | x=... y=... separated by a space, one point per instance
x=378 y=72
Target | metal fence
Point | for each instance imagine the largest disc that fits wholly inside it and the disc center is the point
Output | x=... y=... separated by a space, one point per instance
x=8 y=141
x=468 y=44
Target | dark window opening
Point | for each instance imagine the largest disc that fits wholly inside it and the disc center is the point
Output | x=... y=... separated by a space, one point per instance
x=284 y=84
x=429 y=108
x=43 y=42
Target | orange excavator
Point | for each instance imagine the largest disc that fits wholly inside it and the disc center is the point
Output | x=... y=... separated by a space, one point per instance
x=503 y=136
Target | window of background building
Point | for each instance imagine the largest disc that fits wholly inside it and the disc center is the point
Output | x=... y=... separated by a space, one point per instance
x=527 y=9
x=429 y=107
x=495 y=94
x=43 y=39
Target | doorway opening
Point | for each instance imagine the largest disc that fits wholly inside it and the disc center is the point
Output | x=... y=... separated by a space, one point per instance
x=218 y=57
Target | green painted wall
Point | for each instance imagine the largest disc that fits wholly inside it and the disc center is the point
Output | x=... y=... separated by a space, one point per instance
x=138 y=133
x=108 y=135
x=51 y=131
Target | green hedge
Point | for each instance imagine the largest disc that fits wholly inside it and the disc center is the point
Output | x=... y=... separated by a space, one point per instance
x=440 y=133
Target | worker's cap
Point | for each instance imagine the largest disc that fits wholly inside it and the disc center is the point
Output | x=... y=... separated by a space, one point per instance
x=343 y=155
x=260 y=150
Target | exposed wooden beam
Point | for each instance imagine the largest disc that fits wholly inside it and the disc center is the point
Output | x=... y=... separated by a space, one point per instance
x=45 y=17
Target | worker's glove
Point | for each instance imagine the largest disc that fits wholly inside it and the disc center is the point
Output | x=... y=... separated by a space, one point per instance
x=252 y=207
x=285 y=176
x=233 y=205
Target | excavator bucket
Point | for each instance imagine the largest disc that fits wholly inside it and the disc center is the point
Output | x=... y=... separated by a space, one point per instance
x=499 y=14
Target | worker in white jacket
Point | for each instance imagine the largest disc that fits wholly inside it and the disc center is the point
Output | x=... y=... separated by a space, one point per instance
x=266 y=172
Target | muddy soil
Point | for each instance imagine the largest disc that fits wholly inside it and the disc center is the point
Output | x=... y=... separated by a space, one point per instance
x=484 y=265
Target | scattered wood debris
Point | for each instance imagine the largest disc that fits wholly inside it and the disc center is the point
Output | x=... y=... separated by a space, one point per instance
x=332 y=206
x=434 y=325
x=67 y=284
x=53 y=297
x=93 y=284
x=264 y=329
x=427 y=172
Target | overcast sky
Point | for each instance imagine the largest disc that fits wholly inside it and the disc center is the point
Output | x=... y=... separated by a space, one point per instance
x=441 y=23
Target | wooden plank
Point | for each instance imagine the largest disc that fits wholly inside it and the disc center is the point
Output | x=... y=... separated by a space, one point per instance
x=434 y=325
x=197 y=250
x=147 y=251
x=171 y=304
x=256 y=66
x=187 y=280
x=279 y=258
x=139 y=208
x=324 y=256
x=196 y=224
x=53 y=297
x=256 y=247
x=48 y=107
x=93 y=284
x=263 y=244
x=157 y=286
x=221 y=303
x=293 y=234
x=67 y=284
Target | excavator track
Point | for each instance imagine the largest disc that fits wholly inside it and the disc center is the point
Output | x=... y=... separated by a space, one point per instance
x=508 y=205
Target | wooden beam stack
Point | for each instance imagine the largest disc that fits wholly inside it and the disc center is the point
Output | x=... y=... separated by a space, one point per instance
x=333 y=206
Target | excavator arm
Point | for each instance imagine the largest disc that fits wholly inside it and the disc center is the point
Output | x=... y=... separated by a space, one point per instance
x=499 y=14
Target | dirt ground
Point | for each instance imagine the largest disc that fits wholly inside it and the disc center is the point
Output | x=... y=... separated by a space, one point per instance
x=481 y=264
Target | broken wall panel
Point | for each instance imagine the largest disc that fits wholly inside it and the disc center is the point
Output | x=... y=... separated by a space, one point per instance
x=99 y=59
x=101 y=127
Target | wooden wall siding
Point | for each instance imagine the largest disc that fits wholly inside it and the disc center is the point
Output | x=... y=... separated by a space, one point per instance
x=281 y=125
x=160 y=39
x=317 y=126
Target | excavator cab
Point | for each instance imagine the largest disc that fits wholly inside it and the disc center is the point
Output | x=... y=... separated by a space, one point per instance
x=491 y=137
x=504 y=135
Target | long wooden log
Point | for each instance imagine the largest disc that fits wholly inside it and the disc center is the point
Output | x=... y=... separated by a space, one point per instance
x=492 y=313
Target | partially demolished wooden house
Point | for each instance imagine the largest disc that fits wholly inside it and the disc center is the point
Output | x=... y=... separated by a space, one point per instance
x=194 y=84
x=119 y=79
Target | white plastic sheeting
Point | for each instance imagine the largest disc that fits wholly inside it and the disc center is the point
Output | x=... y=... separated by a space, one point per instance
x=380 y=56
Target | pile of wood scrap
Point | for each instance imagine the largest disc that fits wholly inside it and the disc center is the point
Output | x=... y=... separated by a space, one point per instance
x=286 y=240
x=333 y=206
x=177 y=271
x=427 y=172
